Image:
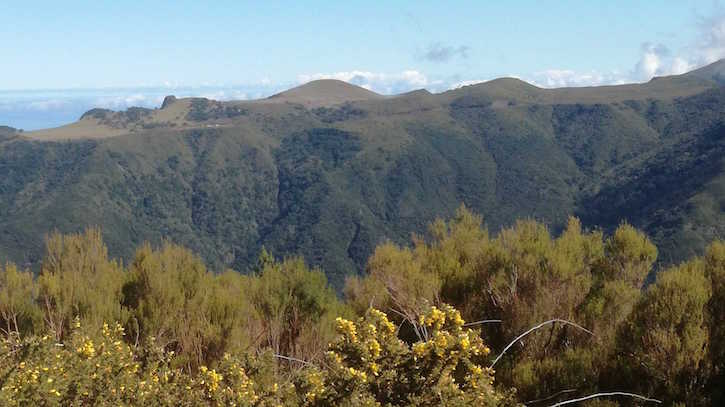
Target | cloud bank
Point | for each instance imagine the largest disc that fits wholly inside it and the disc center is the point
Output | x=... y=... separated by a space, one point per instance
x=655 y=59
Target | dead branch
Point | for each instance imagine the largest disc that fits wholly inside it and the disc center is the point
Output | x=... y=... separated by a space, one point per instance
x=557 y=394
x=485 y=321
x=551 y=321
x=613 y=393
x=291 y=359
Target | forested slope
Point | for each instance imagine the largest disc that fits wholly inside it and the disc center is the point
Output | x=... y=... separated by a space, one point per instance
x=332 y=180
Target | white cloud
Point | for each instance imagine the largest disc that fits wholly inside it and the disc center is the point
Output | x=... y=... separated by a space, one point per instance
x=657 y=60
x=124 y=101
x=558 y=78
x=385 y=83
x=460 y=84
x=46 y=105
x=710 y=45
x=224 y=95
x=654 y=60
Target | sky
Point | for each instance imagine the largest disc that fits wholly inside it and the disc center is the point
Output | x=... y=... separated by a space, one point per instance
x=59 y=59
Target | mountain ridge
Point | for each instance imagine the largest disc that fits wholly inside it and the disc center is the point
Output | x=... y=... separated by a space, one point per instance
x=332 y=92
x=331 y=182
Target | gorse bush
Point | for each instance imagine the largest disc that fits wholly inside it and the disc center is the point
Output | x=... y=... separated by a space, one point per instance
x=164 y=330
x=366 y=365
x=107 y=371
x=369 y=365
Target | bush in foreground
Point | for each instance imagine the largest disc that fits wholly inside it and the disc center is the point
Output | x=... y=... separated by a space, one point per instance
x=365 y=365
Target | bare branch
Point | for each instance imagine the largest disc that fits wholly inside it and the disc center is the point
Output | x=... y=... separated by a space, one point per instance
x=557 y=394
x=613 y=393
x=551 y=321
x=421 y=335
x=485 y=321
x=304 y=362
x=399 y=313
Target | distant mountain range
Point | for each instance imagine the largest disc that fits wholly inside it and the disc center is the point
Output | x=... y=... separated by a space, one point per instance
x=328 y=170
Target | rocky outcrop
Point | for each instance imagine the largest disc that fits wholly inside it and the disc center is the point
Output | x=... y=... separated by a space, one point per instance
x=168 y=101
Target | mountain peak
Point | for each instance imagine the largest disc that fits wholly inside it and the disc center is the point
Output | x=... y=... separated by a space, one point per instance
x=324 y=92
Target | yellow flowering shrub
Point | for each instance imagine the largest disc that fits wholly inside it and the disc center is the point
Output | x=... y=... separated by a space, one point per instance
x=369 y=365
x=366 y=365
x=107 y=371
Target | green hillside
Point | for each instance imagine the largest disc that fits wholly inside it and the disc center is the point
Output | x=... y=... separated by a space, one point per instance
x=332 y=179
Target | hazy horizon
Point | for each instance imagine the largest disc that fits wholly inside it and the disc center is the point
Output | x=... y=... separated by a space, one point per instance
x=62 y=60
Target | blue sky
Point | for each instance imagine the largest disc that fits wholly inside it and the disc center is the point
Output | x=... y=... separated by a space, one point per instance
x=119 y=53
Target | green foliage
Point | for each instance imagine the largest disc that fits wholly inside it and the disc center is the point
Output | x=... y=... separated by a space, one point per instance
x=204 y=109
x=663 y=346
x=78 y=280
x=18 y=311
x=183 y=335
x=630 y=256
x=171 y=295
x=715 y=271
x=296 y=308
x=184 y=308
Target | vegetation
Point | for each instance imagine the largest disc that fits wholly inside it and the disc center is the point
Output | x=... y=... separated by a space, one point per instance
x=204 y=109
x=550 y=319
x=331 y=182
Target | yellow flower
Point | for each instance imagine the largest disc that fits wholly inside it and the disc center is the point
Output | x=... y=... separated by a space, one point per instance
x=346 y=328
x=87 y=349
x=436 y=318
x=465 y=343
x=441 y=341
x=457 y=319
x=419 y=349
x=374 y=348
x=214 y=379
